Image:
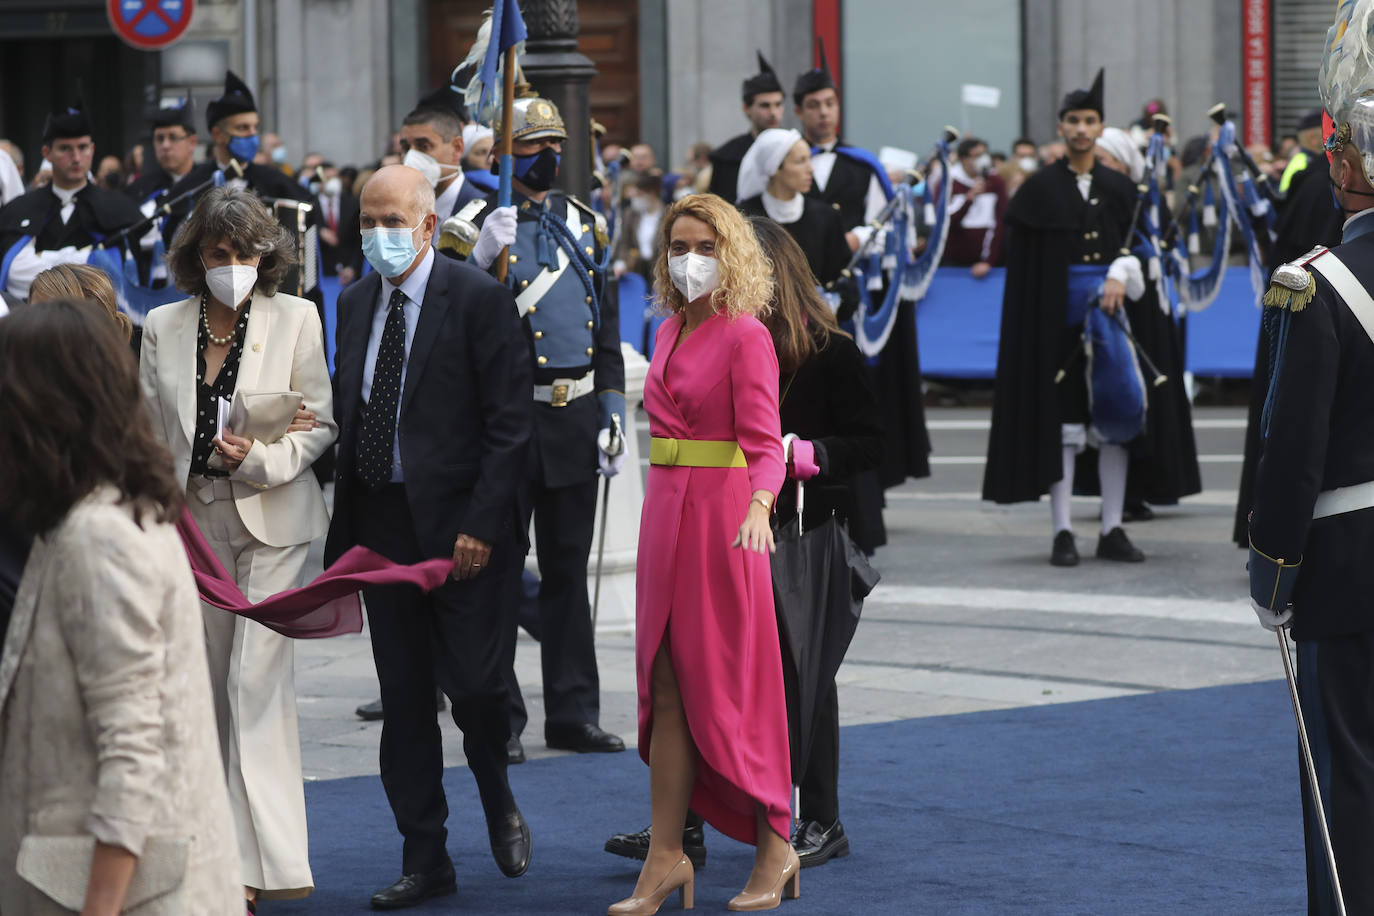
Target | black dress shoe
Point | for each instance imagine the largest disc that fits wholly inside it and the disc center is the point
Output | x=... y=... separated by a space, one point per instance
x=372 y=712
x=515 y=751
x=1114 y=545
x=416 y=888
x=817 y=844
x=1139 y=511
x=585 y=739
x=510 y=843
x=1065 y=552
x=636 y=845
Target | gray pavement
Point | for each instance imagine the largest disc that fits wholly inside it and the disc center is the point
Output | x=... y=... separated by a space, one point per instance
x=969 y=616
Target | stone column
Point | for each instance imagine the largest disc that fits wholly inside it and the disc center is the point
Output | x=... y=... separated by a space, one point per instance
x=556 y=70
x=616 y=612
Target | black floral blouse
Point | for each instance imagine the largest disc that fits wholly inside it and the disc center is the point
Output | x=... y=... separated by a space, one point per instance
x=207 y=396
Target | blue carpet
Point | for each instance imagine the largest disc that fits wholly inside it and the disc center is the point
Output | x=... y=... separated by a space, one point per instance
x=1176 y=802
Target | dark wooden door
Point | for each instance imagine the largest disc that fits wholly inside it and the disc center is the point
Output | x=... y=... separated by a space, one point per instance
x=608 y=34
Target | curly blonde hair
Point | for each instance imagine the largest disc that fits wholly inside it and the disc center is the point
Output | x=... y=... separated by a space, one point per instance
x=746 y=279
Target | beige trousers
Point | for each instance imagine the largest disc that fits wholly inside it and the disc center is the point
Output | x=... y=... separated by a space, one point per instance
x=251 y=673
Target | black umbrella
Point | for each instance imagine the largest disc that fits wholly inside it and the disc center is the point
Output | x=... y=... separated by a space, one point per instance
x=820 y=579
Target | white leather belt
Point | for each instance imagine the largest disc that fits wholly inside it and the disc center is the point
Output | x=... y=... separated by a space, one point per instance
x=1344 y=499
x=564 y=390
x=209 y=489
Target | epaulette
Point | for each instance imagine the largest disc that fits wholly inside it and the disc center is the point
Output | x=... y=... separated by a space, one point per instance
x=1292 y=285
x=459 y=233
x=603 y=235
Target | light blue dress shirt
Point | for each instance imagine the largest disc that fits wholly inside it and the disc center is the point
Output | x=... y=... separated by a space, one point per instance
x=414 y=290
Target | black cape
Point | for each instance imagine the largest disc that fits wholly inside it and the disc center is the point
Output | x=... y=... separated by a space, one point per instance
x=1043 y=220
x=262 y=180
x=725 y=161
x=1309 y=217
x=148 y=185
x=99 y=213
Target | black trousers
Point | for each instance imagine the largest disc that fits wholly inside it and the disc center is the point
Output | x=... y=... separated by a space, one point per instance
x=563 y=521
x=1336 y=686
x=452 y=637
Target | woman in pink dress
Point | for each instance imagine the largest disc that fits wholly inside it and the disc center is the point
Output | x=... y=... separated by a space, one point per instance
x=712 y=713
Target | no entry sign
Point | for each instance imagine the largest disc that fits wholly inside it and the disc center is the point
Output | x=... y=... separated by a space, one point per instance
x=149 y=24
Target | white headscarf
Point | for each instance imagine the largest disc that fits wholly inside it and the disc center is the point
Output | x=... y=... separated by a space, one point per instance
x=474 y=132
x=1117 y=142
x=763 y=161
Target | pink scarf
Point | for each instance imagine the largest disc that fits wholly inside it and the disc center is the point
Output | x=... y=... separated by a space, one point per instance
x=328 y=606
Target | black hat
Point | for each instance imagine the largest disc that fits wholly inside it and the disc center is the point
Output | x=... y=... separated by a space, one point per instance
x=814 y=80
x=1310 y=119
x=237 y=99
x=172 y=116
x=763 y=81
x=68 y=122
x=1084 y=99
x=445 y=98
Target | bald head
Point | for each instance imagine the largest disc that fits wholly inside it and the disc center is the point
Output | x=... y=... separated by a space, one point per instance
x=399 y=197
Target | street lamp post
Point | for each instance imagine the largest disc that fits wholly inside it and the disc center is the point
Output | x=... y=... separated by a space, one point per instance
x=556 y=70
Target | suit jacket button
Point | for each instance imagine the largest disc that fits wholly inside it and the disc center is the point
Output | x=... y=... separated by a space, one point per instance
x=588 y=249
x=542 y=360
x=538 y=335
x=589 y=300
x=257 y=348
x=590 y=325
x=513 y=259
x=835 y=206
x=586 y=228
x=533 y=309
x=524 y=283
x=589 y=351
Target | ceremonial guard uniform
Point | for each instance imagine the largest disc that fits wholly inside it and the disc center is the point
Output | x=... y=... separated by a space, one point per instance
x=726 y=158
x=556 y=268
x=56 y=225
x=1312 y=528
x=1066 y=231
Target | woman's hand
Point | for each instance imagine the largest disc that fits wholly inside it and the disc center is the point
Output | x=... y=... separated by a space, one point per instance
x=232 y=449
x=304 y=421
x=755 y=533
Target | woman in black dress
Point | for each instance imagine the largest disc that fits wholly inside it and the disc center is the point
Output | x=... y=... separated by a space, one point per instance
x=773 y=180
x=832 y=430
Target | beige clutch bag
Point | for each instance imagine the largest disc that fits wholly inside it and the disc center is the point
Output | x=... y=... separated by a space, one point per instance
x=263 y=415
x=60 y=867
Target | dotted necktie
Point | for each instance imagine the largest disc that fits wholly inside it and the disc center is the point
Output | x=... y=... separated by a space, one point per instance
x=379 y=414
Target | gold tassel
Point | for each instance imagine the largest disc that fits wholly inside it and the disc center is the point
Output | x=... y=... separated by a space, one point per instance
x=1280 y=296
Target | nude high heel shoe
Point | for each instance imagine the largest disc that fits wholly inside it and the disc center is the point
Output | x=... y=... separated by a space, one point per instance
x=788 y=883
x=680 y=878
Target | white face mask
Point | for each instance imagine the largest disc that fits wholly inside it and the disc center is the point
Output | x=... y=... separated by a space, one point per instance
x=983 y=163
x=333 y=187
x=231 y=285
x=694 y=275
x=1028 y=163
x=428 y=166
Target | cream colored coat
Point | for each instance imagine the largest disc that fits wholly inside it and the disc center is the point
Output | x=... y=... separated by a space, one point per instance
x=106 y=723
x=276 y=494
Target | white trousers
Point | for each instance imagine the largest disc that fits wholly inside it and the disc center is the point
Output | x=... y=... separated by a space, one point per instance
x=252 y=676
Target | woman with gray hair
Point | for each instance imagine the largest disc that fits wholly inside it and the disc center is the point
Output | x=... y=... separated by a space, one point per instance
x=257 y=503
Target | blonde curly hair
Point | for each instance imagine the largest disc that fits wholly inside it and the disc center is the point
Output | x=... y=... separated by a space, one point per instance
x=746 y=278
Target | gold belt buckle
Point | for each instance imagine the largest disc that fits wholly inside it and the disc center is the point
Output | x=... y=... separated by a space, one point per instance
x=560 y=396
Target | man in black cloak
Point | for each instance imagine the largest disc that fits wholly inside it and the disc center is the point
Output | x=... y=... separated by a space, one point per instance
x=763 y=100
x=1067 y=227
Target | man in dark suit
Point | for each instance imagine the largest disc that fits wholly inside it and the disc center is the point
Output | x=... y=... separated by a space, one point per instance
x=432 y=396
x=341 y=245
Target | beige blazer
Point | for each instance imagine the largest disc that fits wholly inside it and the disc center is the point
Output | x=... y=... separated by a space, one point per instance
x=107 y=729
x=277 y=496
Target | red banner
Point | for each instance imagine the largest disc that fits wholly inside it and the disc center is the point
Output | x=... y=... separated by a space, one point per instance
x=1257 y=71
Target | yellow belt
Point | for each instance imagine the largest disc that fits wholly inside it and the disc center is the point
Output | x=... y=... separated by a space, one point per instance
x=695 y=453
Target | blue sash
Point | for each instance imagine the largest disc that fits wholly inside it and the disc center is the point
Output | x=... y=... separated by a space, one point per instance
x=1085 y=281
x=864 y=157
x=9 y=259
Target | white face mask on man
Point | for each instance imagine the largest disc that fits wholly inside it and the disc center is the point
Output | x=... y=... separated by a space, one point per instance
x=694 y=275
x=427 y=165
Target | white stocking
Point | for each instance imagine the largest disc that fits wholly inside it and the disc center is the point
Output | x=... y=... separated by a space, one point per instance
x=1061 y=491
x=1111 y=471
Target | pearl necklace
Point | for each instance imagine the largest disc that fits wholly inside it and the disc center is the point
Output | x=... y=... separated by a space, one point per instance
x=224 y=341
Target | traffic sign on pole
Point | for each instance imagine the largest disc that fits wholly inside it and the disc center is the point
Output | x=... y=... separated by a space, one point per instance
x=149 y=25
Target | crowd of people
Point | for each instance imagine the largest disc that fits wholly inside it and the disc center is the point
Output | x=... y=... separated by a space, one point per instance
x=477 y=398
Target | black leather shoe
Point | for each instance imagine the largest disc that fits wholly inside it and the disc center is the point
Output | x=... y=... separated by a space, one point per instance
x=372 y=712
x=1065 y=552
x=817 y=844
x=636 y=845
x=510 y=843
x=1114 y=545
x=416 y=888
x=585 y=739
x=515 y=751
x=1139 y=511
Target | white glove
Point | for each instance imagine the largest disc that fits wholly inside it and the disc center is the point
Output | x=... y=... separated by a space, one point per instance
x=498 y=231
x=611 y=464
x=1271 y=620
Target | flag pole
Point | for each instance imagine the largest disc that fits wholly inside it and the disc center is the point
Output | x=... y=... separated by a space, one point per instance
x=507 y=154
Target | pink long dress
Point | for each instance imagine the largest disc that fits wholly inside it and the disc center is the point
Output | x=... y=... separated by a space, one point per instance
x=713 y=602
